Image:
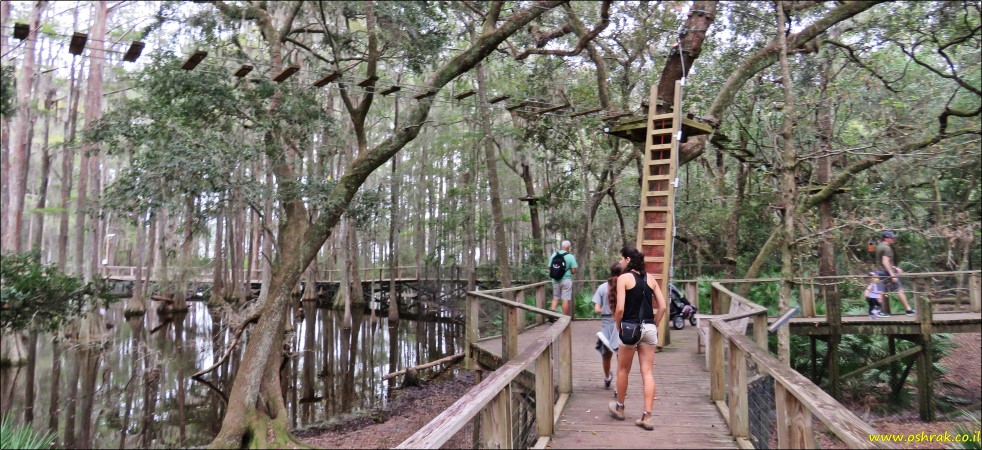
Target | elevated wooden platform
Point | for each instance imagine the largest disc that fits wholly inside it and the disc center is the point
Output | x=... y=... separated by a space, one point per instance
x=684 y=415
x=943 y=322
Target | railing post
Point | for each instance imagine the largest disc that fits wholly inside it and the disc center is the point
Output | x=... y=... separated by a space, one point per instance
x=692 y=293
x=739 y=412
x=807 y=295
x=520 y=298
x=714 y=302
x=925 y=358
x=496 y=421
x=794 y=421
x=760 y=330
x=544 y=401
x=975 y=292
x=509 y=332
x=715 y=351
x=540 y=302
x=566 y=360
x=472 y=311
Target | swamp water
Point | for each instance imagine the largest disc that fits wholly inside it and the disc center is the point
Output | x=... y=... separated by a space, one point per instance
x=137 y=390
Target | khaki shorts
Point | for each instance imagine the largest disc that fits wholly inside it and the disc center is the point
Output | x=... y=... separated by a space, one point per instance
x=649 y=336
x=563 y=290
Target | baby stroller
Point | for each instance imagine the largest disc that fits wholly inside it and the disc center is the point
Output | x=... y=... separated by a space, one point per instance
x=680 y=309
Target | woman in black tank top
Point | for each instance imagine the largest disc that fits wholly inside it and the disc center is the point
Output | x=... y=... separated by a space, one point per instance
x=639 y=300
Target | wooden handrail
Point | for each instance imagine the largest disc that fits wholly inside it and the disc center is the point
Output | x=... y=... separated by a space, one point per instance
x=797 y=399
x=450 y=421
x=493 y=394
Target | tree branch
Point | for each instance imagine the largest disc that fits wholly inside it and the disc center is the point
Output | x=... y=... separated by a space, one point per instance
x=855 y=59
x=580 y=45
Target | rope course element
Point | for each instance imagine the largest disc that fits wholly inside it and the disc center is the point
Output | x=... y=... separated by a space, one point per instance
x=198 y=61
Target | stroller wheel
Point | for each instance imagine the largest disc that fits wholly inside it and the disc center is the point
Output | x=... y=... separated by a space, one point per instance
x=692 y=320
x=678 y=323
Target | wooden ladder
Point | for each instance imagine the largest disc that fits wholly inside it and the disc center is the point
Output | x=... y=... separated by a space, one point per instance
x=656 y=218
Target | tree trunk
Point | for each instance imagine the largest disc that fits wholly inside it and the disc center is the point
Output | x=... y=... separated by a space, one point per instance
x=20 y=154
x=787 y=171
x=4 y=125
x=135 y=306
x=394 y=234
x=826 y=246
x=93 y=111
x=218 y=276
x=68 y=161
x=256 y=414
x=37 y=221
x=686 y=50
x=497 y=216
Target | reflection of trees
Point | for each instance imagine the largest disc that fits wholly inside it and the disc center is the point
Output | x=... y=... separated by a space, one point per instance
x=309 y=360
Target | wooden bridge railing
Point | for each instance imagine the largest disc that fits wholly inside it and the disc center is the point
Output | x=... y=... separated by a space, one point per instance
x=962 y=287
x=492 y=398
x=797 y=399
x=256 y=275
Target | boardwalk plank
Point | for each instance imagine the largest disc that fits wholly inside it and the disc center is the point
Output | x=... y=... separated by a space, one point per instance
x=683 y=414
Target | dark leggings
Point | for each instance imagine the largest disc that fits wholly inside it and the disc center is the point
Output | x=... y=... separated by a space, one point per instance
x=873 y=304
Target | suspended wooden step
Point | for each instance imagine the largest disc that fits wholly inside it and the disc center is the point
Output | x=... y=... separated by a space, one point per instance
x=327 y=79
x=499 y=98
x=286 y=73
x=194 y=60
x=464 y=94
x=243 y=71
x=391 y=89
x=615 y=116
x=21 y=31
x=583 y=113
x=77 y=44
x=422 y=95
x=517 y=105
x=134 y=52
x=551 y=109
x=368 y=81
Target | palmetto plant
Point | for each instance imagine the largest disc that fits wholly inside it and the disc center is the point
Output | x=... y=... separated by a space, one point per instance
x=21 y=436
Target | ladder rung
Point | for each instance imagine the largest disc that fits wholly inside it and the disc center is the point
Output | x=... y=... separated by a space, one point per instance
x=662 y=116
x=660 y=146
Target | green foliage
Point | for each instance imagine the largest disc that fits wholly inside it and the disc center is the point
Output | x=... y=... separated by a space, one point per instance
x=15 y=436
x=8 y=91
x=968 y=433
x=856 y=351
x=37 y=296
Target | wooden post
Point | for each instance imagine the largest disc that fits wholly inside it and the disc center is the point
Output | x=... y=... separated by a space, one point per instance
x=807 y=294
x=715 y=306
x=692 y=294
x=833 y=313
x=520 y=298
x=472 y=310
x=925 y=360
x=975 y=292
x=540 y=302
x=566 y=360
x=715 y=351
x=496 y=421
x=760 y=330
x=509 y=332
x=543 y=393
x=739 y=407
x=794 y=421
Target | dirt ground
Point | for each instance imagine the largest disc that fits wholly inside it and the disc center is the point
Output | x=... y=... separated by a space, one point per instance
x=412 y=408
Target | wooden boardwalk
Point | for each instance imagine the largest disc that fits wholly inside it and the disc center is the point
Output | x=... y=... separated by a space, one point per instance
x=684 y=416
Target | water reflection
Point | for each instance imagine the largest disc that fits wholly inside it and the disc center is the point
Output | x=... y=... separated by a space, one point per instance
x=136 y=390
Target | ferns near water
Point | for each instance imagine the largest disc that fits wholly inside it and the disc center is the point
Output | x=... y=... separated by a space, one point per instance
x=20 y=436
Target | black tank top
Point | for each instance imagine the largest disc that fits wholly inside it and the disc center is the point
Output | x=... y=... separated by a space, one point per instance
x=637 y=300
